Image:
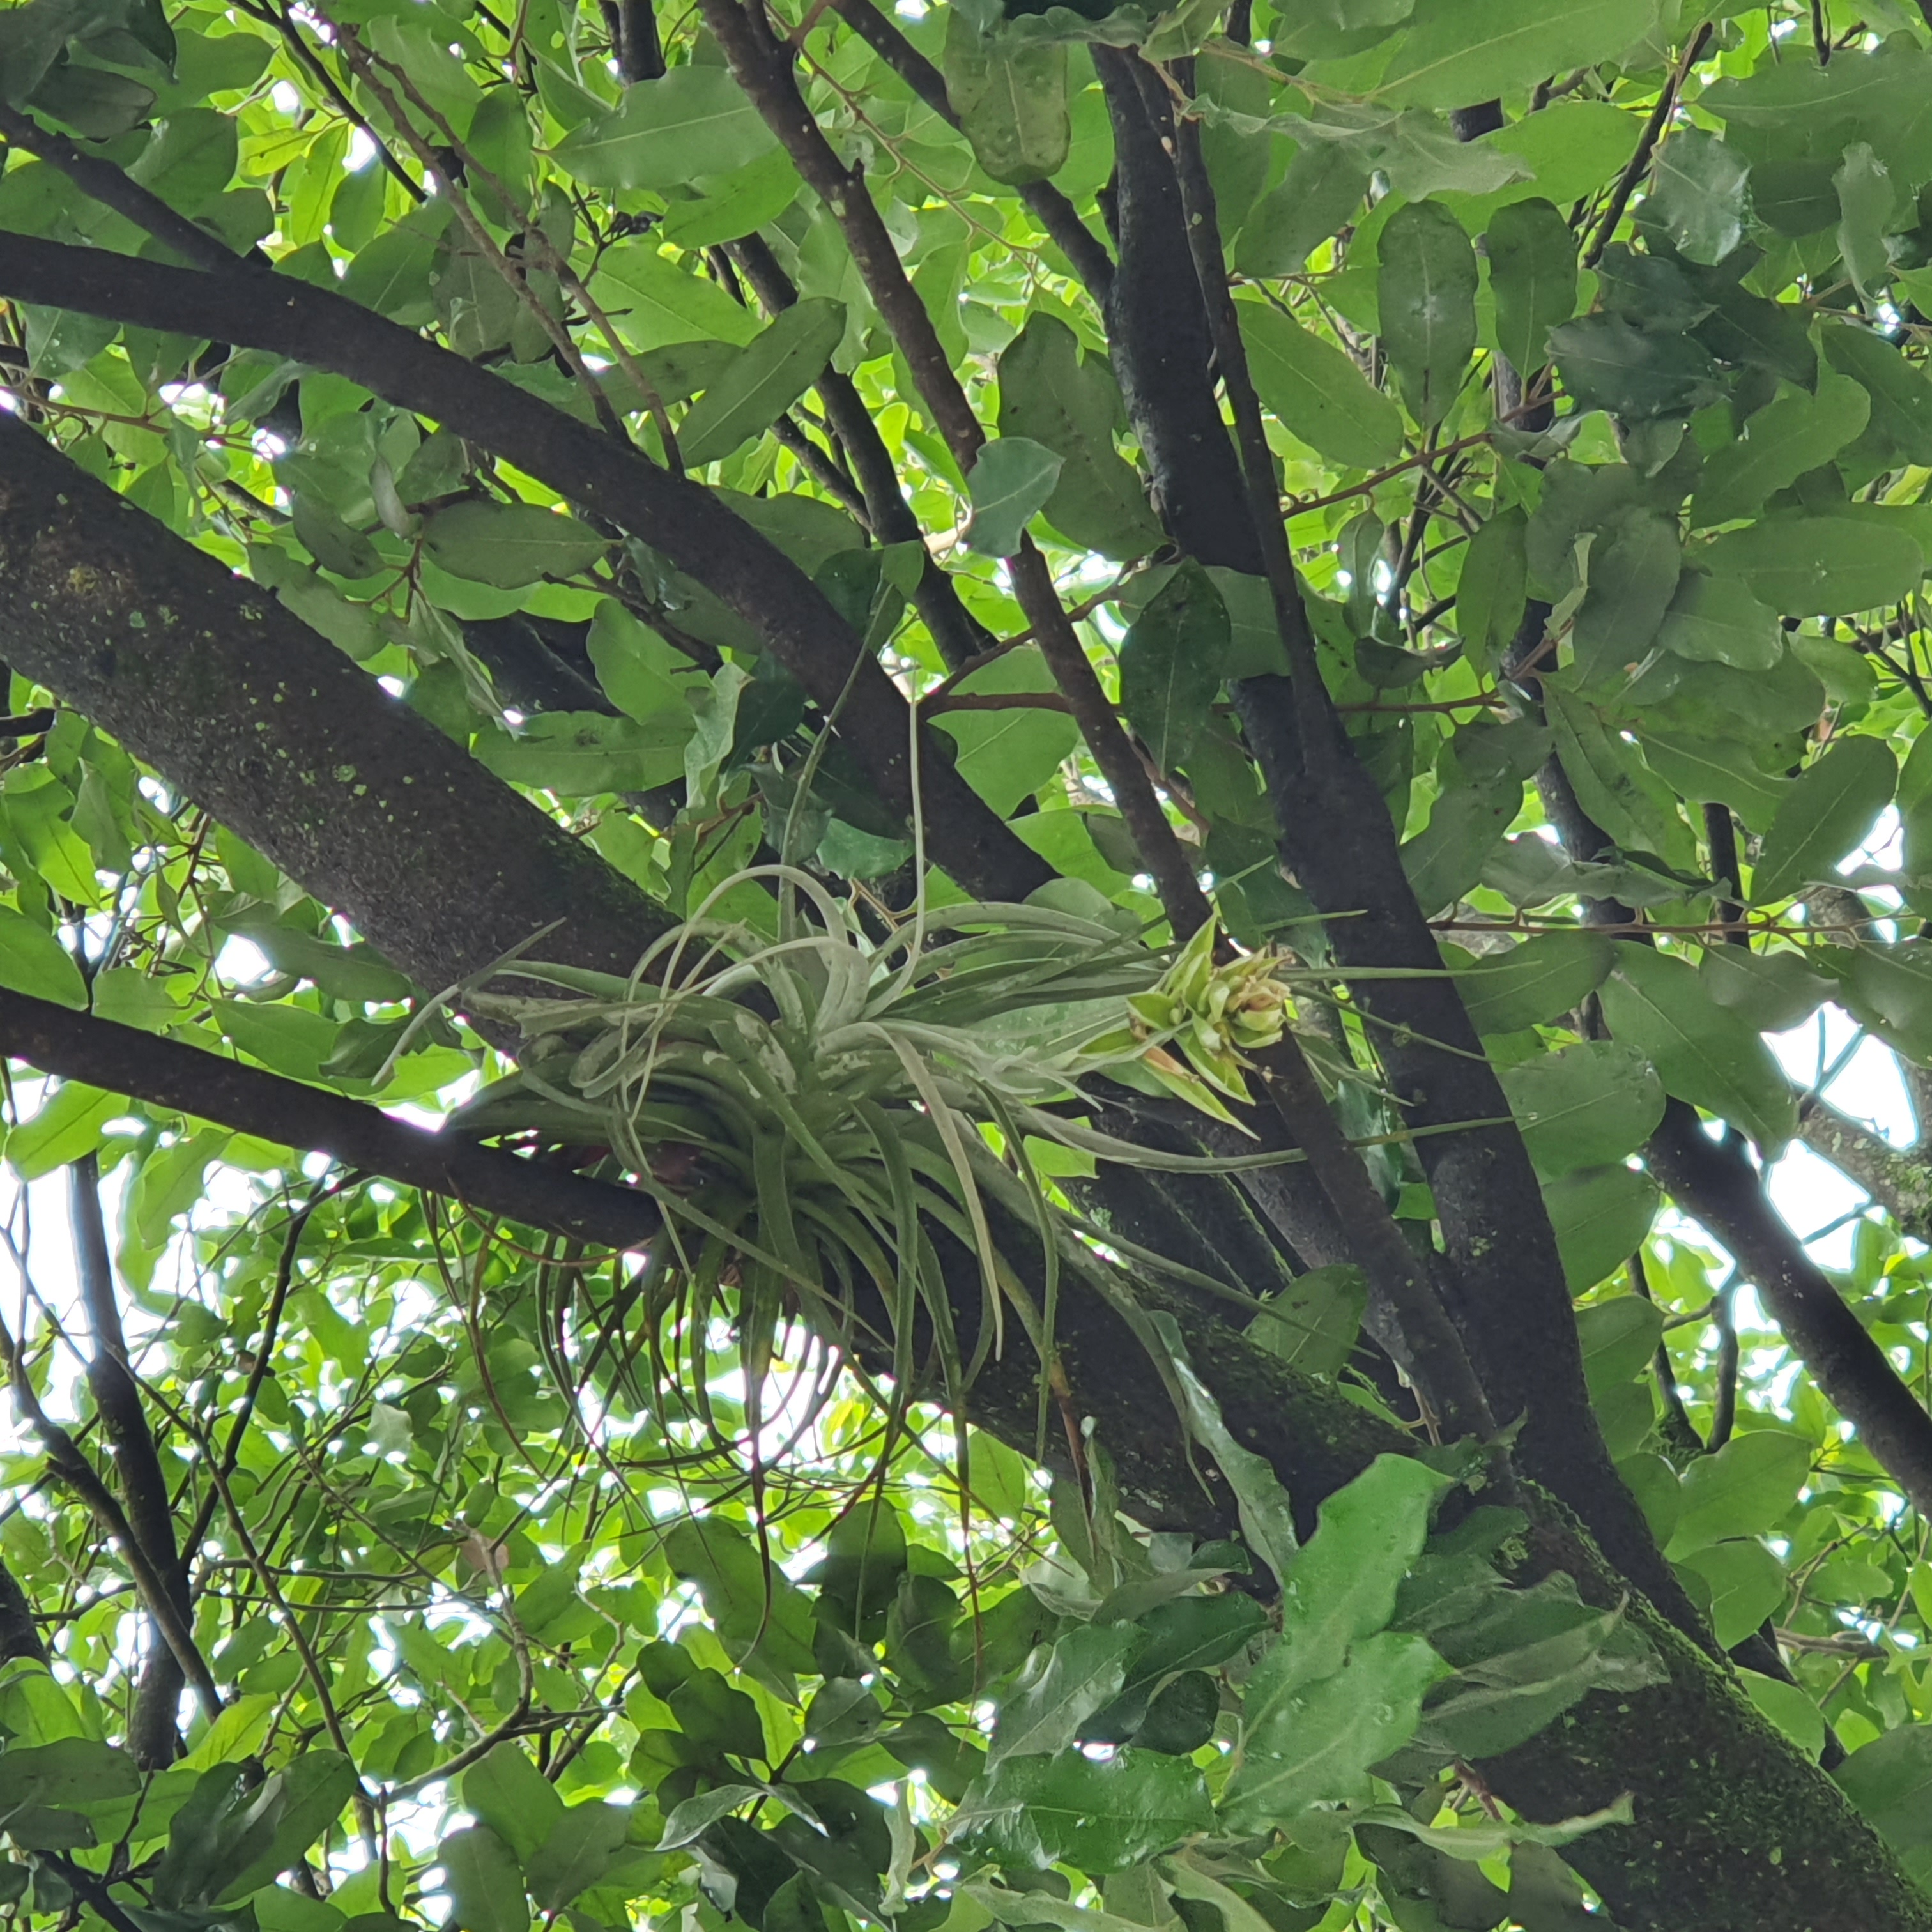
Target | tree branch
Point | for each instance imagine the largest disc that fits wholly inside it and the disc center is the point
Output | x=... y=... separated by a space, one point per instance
x=680 y=518
x=1714 y=1181
x=762 y=65
x=1048 y=207
x=1899 y=1179
x=151 y=1731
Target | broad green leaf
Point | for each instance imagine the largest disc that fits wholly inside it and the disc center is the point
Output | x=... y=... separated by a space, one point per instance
x=1030 y=1813
x=1819 y=566
x=1867 y=202
x=695 y=120
x=1426 y=299
x=1585 y=1106
x=1697 y=192
x=1791 y=434
x=758 y=1611
x=1619 y=1338
x=1004 y=755
x=769 y=375
x=1889 y=988
x=189 y=159
x=1171 y=665
x=1491 y=594
x=1062 y=1684
x=1890 y=1781
x=1532 y=257
x=1703 y=1053
x=1611 y=780
x=1607 y=364
x=578 y=754
x=1747 y=1584
x=578 y=1851
x=485 y=1883
x=1314 y=392
x=509 y=1793
x=1445 y=858
x=1634 y=568
x=1068 y=403
x=32 y=961
x=1324 y=186
x=1312 y=1325
x=309 y=1794
x=1454 y=53
x=1826 y=813
x=1011 y=97
x=1341 y=1587
x=1009 y=482
x=1743 y=1490
x=734 y=204
x=510 y=544
x=1534 y=982
x=1716 y=620
x=1315 y=1745
x=63 y=1128
x=1721 y=771
x=70 y=1770
x=656 y=303
x=1600 y=1216
x=1901 y=396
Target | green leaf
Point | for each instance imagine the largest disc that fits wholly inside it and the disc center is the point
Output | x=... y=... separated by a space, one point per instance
x=1445 y=858
x=1708 y=771
x=1791 y=434
x=1619 y=1339
x=509 y=1793
x=1314 y=392
x=1611 y=781
x=1634 y=568
x=1601 y=1216
x=1607 y=364
x=1427 y=300
x=1006 y=755
x=1534 y=982
x=1062 y=1685
x=189 y=159
x=1532 y=258
x=1867 y=200
x=64 y=1128
x=510 y=544
x=1172 y=660
x=1010 y=481
x=71 y=1771
x=1493 y=592
x=765 y=379
x=1011 y=97
x=1889 y=1780
x=1819 y=566
x=1747 y=1584
x=579 y=754
x=1743 y=1490
x=1585 y=1106
x=1030 y=1812
x=1697 y=193
x=1324 y=186
x=734 y=205
x=1455 y=53
x=1342 y=1586
x=758 y=1612
x=696 y=120
x=1704 y=1053
x=1315 y=1745
x=1901 y=396
x=1826 y=813
x=1717 y=620
x=1267 y=1517
x=1068 y=403
x=485 y=1883
x=577 y=1853
x=1312 y=1324
x=659 y=303
x=32 y=961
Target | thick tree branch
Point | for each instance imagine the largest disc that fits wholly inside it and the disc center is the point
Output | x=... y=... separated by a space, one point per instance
x=167 y=1073
x=271 y=728
x=1714 y=1181
x=20 y=1635
x=1899 y=1179
x=698 y=534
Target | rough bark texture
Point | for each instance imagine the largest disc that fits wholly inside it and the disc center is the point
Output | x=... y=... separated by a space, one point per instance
x=271 y=728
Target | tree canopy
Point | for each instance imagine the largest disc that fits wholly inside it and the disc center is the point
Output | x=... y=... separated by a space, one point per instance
x=908 y=908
